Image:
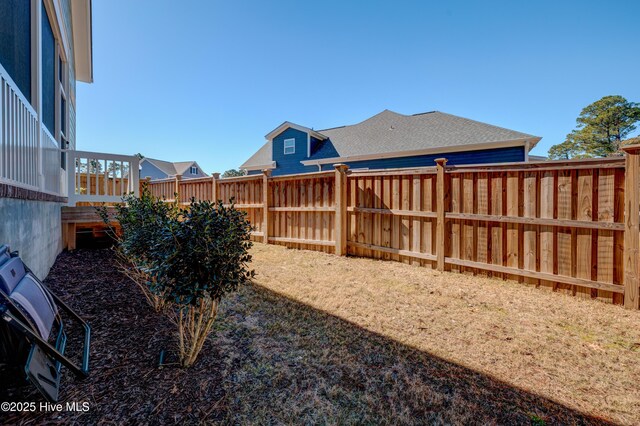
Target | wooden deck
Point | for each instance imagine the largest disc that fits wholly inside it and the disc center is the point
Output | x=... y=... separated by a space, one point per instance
x=82 y=219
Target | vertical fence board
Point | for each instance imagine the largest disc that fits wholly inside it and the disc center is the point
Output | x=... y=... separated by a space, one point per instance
x=547 y=257
x=483 y=227
x=606 y=213
x=513 y=229
x=496 y=229
x=454 y=225
x=416 y=205
x=530 y=210
x=565 y=236
x=468 y=227
x=583 y=238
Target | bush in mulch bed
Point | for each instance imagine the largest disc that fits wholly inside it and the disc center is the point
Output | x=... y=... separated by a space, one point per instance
x=125 y=383
x=184 y=259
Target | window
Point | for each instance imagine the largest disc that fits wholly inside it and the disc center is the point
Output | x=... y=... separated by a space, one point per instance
x=194 y=170
x=62 y=90
x=289 y=146
x=48 y=74
x=15 y=42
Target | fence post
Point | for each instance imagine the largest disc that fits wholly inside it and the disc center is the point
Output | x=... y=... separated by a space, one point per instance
x=441 y=195
x=177 y=189
x=631 y=227
x=147 y=182
x=214 y=187
x=340 y=191
x=266 y=202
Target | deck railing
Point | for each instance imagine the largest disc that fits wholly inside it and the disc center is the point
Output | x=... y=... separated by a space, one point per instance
x=20 y=154
x=94 y=177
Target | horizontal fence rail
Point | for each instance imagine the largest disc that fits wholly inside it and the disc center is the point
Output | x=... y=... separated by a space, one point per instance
x=563 y=225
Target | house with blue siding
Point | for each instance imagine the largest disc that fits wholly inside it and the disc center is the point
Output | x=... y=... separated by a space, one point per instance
x=389 y=140
x=158 y=169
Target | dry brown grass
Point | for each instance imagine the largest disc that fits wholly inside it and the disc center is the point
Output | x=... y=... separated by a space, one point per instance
x=324 y=339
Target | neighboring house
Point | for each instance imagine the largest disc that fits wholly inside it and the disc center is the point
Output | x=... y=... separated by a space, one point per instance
x=389 y=140
x=158 y=169
x=45 y=47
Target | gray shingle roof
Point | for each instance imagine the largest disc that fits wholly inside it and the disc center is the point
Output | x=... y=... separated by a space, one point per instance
x=261 y=158
x=172 y=169
x=390 y=132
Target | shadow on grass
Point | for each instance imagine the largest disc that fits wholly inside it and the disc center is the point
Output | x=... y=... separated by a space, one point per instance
x=270 y=360
x=288 y=362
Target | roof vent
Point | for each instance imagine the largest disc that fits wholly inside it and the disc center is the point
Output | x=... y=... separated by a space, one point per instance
x=392 y=127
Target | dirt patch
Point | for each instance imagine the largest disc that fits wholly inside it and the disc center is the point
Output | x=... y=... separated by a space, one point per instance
x=125 y=384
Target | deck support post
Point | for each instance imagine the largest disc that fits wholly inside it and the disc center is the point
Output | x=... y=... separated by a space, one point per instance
x=266 y=202
x=69 y=236
x=632 y=227
x=441 y=198
x=341 y=209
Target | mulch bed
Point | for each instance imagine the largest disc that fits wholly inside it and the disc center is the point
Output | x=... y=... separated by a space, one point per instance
x=125 y=385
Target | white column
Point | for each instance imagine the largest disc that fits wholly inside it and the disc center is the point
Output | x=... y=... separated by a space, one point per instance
x=36 y=6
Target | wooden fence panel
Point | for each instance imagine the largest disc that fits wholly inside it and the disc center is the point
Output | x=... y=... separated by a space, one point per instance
x=392 y=216
x=246 y=193
x=559 y=225
x=555 y=226
x=302 y=211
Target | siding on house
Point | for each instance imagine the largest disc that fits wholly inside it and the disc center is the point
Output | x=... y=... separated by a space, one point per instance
x=387 y=134
x=484 y=156
x=188 y=175
x=30 y=50
x=290 y=163
x=148 y=169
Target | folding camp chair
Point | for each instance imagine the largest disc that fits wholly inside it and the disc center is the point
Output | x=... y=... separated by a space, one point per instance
x=32 y=332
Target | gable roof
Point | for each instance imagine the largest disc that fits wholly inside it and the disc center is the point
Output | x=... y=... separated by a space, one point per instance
x=172 y=169
x=289 y=125
x=389 y=134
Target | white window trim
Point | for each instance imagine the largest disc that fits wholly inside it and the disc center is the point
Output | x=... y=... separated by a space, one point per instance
x=292 y=146
x=192 y=170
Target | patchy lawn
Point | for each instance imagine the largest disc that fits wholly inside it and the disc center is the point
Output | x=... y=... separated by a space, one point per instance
x=323 y=339
x=365 y=340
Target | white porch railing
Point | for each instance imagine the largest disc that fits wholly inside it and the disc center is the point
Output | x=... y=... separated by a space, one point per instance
x=19 y=148
x=51 y=170
x=94 y=177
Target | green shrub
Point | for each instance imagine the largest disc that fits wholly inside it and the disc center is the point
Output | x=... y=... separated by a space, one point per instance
x=205 y=256
x=185 y=260
x=142 y=220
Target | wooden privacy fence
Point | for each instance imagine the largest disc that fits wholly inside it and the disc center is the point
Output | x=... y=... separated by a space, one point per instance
x=571 y=226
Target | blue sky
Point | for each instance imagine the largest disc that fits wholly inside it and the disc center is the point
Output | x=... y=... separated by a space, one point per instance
x=206 y=80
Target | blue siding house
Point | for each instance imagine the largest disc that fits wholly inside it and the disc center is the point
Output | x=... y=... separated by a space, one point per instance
x=158 y=169
x=389 y=140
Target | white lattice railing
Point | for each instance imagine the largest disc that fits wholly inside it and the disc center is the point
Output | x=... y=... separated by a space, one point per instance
x=94 y=177
x=19 y=151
